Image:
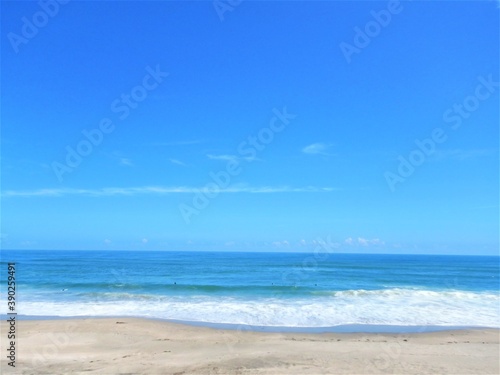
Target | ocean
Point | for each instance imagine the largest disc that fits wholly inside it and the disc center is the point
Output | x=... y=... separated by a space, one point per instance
x=273 y=290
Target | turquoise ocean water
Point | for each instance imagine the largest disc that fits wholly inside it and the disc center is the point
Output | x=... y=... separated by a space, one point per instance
x=259 y=289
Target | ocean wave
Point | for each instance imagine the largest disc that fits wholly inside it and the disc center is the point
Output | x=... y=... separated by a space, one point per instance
x=411 y=293
x=397 y=306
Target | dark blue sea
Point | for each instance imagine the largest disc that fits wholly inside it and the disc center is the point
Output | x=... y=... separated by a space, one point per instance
x=259 y=289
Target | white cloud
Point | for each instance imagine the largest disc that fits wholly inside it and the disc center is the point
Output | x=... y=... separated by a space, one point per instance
x=160 y=190
x=107 y=242
x=317 y=149
x=177 y=162
x=144 y=240
x=364 y=241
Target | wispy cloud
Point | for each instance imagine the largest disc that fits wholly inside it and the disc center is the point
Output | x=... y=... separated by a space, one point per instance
x=317 y=149
x=222 y=157
x=226 y=157
x=120 y=158
x=177 y=162
x=126 y=162
x=159 y=190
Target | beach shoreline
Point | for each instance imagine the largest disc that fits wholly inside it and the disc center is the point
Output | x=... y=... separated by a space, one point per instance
x=344 y=328
x=144 y=346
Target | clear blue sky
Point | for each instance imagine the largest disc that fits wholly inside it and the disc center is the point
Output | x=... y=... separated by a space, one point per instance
x=331 y=171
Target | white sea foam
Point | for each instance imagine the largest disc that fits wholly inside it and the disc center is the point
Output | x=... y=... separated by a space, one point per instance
x=382 y=307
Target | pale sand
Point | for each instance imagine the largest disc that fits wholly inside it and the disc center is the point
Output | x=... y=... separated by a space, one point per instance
x=139 y=346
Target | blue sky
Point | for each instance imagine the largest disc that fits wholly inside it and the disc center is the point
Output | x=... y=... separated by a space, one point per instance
x=311 y=112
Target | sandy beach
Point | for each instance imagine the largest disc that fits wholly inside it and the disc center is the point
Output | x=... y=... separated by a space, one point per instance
x=140 y=346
